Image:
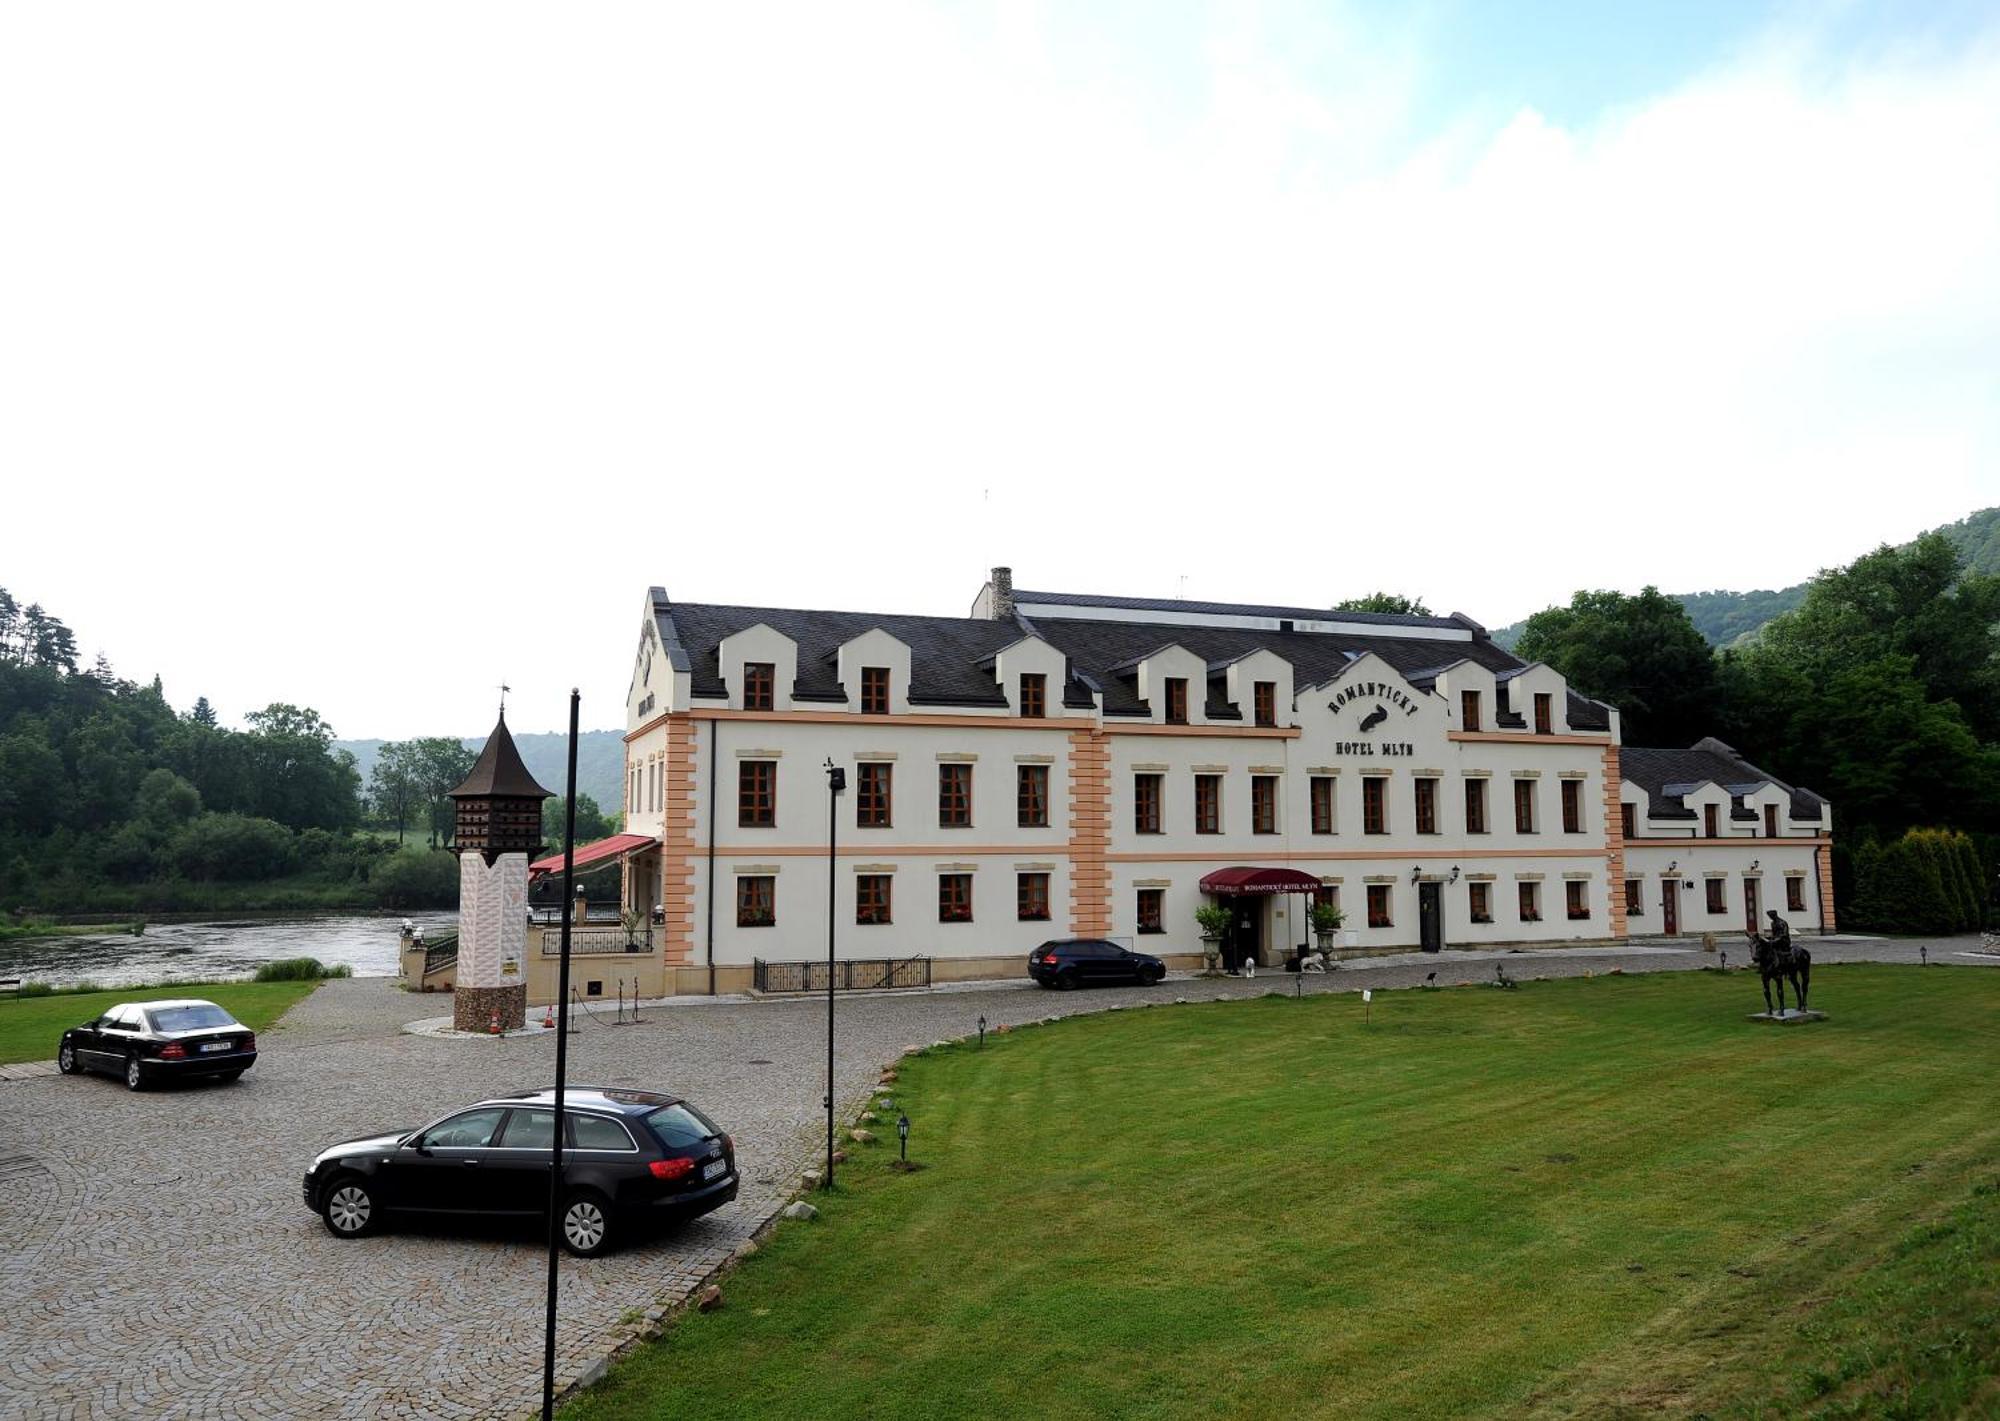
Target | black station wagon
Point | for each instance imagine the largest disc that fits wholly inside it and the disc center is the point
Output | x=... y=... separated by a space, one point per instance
x=631 y=1157
x=1087 y=961
x=145 y=1043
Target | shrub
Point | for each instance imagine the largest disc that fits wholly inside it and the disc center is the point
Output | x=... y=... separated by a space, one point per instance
x=300 y=969
x=416 y=881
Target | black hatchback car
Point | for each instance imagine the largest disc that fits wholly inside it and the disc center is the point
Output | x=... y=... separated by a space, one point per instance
x=631 y=1157
x=1086 y=961
x=149 y=1042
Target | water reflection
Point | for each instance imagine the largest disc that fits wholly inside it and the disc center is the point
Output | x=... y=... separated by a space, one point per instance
x=212 y=950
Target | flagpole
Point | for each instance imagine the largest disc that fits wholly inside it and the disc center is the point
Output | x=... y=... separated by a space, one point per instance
x=562 y=1071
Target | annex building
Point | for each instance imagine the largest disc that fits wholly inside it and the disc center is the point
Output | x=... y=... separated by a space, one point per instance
x=1056 y=764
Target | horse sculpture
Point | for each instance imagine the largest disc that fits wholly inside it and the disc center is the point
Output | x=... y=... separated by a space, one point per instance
x=1779 y=960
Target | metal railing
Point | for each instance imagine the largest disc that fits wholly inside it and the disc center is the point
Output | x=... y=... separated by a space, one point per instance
x=856 y=975
x=440 y=954
x=551 y=917
x=596 y=941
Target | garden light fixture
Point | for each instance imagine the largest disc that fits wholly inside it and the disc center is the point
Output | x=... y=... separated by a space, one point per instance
x=903 y=1136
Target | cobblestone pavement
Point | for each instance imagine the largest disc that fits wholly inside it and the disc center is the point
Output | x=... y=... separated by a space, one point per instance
x=158 y=1261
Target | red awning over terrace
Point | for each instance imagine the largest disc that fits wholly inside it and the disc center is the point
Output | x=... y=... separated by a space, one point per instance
x=617 y=846
x=1260 y=880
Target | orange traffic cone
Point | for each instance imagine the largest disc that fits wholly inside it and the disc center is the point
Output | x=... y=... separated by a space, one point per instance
x=548 y=1018
x=495 y=1027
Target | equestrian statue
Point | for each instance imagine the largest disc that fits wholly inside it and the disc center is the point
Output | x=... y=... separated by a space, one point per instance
x=1778 y=960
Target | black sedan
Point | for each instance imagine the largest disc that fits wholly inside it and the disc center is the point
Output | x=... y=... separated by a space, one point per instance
x=630 y=1157
x=149 y=1042
x=1087 y=961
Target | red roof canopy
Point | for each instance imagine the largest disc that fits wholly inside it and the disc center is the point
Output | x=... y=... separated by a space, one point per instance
x=617 y=846
x=1260 y=880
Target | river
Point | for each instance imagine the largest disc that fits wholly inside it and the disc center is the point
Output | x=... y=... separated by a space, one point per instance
x=209 y=951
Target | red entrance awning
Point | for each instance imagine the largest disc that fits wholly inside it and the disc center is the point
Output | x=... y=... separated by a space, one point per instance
x=617 y=846
x=1260 y=880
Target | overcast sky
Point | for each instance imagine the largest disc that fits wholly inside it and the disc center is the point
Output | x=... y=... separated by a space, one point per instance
x=364 y=355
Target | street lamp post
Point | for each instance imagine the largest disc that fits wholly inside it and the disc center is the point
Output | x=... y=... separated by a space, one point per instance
x=836 y=782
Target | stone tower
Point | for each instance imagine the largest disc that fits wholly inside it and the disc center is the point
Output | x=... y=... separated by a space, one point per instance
x=499 y=830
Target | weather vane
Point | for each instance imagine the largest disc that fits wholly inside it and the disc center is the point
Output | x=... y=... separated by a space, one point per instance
x=504 y=689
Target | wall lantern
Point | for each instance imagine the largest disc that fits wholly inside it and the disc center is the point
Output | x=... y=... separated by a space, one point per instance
x=1454 y=873
x=1673 y=868
x=1753 y=865
x=1415 y=874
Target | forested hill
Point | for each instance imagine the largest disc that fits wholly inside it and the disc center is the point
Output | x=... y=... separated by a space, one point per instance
x=600 y=761
x=1724 y=617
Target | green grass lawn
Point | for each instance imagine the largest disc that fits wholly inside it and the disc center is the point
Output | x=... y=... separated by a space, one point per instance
x=30 y=1027
x=1608 y=1197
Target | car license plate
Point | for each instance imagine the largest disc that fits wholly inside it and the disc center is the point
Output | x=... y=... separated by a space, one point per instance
x=216 y=1045
x=714 y=1168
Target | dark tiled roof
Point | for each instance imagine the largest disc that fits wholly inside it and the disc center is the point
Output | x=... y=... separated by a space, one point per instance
x=499 y=771
x=1239 y=609
x=945 y=652
x=951 y=657
x=1316 y=657
x=1659 y=771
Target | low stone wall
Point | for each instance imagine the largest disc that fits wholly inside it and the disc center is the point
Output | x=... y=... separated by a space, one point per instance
x=472 y=1008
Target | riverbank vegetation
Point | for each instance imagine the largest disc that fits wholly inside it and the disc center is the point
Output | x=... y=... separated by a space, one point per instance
x=113 y=802
x=1609 y=1197
x=32 y=1024
x=28 y=926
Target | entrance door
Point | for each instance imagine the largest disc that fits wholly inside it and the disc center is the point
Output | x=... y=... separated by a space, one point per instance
x=1430 y=915
x=1246 y=933
x=1751 y=894
x=1670 y=905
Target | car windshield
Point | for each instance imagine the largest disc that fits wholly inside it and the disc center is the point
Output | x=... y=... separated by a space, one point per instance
x=190 y=1018
x=679 y=1126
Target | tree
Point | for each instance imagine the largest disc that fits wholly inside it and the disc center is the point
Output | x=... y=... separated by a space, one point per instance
x=591 y=822
x=296 y=776
x=443 y=763
x=203 y=713
x=1641 y=654
x=1393 y=603
x=166 y=801
x=396 y=784
x=1913 y=602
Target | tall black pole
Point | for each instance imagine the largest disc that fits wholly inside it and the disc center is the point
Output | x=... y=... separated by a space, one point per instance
x=834 y=784
x=562 y=1072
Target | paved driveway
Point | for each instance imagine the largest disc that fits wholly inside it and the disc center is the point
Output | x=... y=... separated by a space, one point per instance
x=156 y=1261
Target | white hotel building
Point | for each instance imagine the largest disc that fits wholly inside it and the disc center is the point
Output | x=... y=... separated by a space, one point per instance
x=1058 y=765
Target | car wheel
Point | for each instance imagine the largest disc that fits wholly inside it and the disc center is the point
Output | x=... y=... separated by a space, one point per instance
x=586 y=1225
x=1066 y=981
x=135 y=1074
x=66 y=1060
x=350 y=1210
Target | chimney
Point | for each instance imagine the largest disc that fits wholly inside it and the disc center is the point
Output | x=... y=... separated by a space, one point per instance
x=1000 y=607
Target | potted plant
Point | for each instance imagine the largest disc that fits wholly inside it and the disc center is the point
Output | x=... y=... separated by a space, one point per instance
x=1326 y=921
x=1213 y=919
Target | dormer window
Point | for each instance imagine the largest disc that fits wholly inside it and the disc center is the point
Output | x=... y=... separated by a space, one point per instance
x=1177 y=710
x=1468 y=710
x=759 y=685
x=1034 y=694
x=1708 y=829
x=1264 y=696
x=1770 y=821
x=1544 y=714
x=874 y=690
